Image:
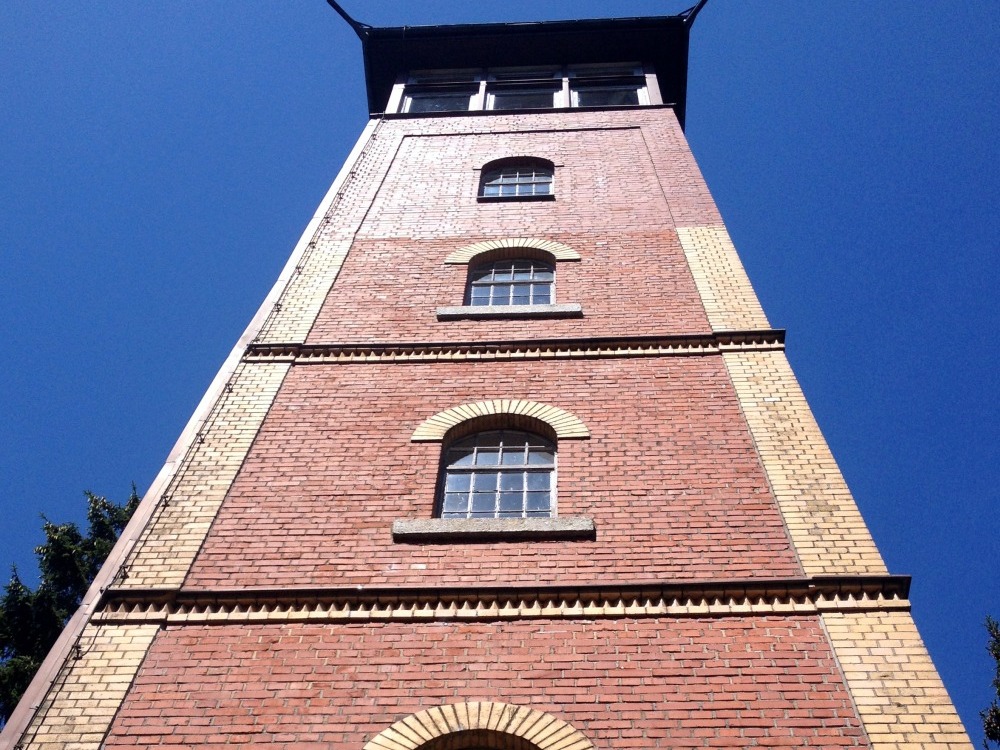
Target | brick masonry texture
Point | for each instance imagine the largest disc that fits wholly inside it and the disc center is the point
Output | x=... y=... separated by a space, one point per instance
x=177 y=530
x=76 y=714
x=897 y=690
x=700 y=683
x=623 y=181
x=416 y=183
x=725 y=289
x=697 y=467
x=489 y=724
x=320 y=264
x=828 y=532
x=628 y=284
x=669 y=474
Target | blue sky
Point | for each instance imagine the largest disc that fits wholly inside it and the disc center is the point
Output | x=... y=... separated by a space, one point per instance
x=158 y=161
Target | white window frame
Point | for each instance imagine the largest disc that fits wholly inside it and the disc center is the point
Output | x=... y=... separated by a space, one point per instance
x=625 y=75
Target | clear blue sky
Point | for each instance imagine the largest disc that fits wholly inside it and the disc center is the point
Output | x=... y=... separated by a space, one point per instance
x=158 y=161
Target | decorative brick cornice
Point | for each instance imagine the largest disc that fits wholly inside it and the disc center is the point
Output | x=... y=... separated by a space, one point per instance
x=557 y=250
x=713 y=599
x=488 y=724
x=612 y=347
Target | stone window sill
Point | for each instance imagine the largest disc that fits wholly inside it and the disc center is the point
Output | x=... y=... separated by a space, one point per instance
x=458 y=530
x=471 y=312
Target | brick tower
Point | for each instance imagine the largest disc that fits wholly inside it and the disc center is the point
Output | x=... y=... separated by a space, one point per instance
x=510 y=458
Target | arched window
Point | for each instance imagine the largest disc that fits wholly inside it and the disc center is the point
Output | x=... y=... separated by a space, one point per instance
x=498 y=474
x=518 y=281
x=517 y=178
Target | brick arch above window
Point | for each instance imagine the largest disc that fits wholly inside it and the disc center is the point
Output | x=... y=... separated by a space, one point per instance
x=564 y=424
x=458 y=726
x=557 y=250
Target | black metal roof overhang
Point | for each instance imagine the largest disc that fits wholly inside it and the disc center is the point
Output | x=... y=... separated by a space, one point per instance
x=659 y=41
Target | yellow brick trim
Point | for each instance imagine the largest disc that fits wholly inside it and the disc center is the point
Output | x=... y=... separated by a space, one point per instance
x=499 y=725
x=168 y=545
x=683 y=345
x=897 y=691
x=82 y=702
x=827 y=531
x=726 y=293
x=557 y=250
x=323 y=248
x=564 y=424
x=612 y=600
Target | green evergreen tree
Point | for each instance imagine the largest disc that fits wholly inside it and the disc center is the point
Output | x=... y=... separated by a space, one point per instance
x=30 y=621
x=991 y=716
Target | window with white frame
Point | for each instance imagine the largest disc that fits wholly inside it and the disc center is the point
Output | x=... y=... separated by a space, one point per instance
x=519 y=281
x=514 y=89
x=527 y=178
x=498 y=474
x=439 y=99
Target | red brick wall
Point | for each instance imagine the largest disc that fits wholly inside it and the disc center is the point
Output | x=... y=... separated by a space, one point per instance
x=623 y=182
x=651 y=683
x=669 y=475
x=634 y=284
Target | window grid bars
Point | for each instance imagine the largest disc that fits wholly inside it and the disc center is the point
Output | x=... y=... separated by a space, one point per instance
x=514 y=482
x=512 y=282
x=514 y=182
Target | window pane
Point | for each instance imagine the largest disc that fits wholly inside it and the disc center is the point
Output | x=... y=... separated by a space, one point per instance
x=501 y=294
x=606 y=96
x=457 y=482
x=521 y=99
x=438 y=101
x=483 y=505
x=454 y=503
x=517 y=181
x=540 y=456
x=511 y=481
x=488 y=457
x=499 y=490
x=460 y=457
x=538 y=481
x=480 y=295
x=511 y=501
x=513 y=455
x=492 y=281
x=482 y=273
x=537 y=503
x=484 y=482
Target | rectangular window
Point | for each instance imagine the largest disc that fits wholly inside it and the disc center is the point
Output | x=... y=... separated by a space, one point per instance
x=438 y=100
x=609 y=85
x=597 y=95
x=521 y=98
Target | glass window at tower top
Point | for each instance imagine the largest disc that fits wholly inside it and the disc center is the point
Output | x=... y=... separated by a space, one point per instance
x=514 y=89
